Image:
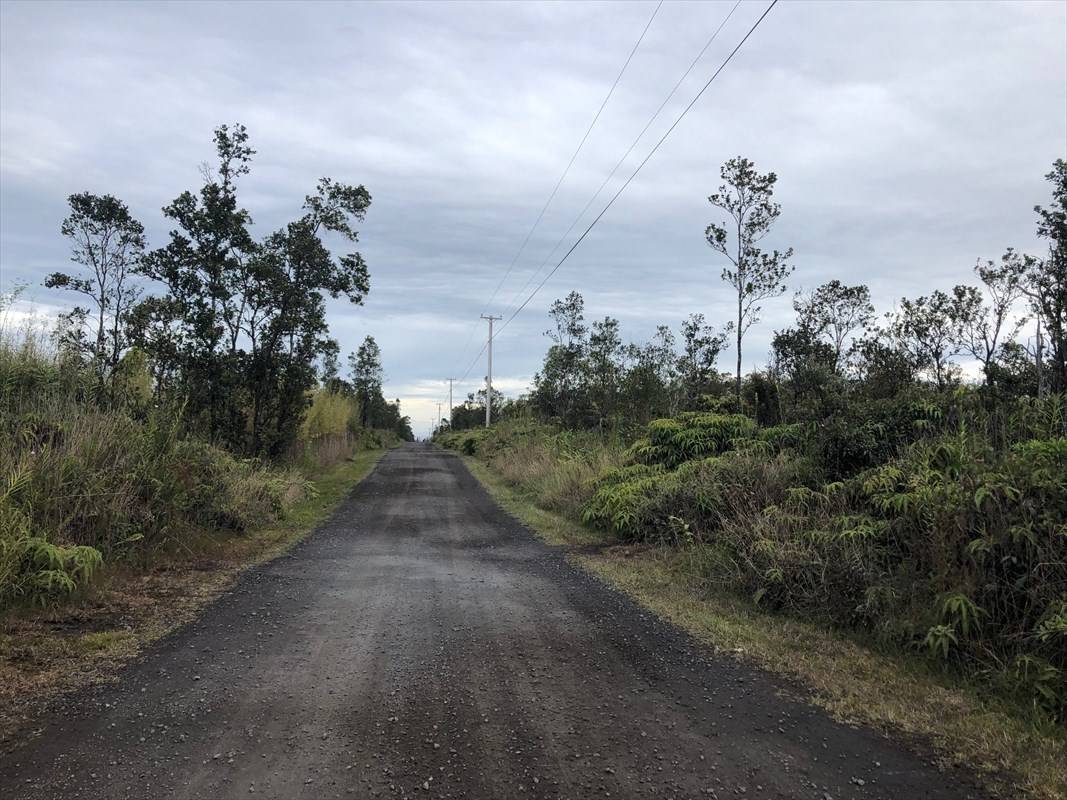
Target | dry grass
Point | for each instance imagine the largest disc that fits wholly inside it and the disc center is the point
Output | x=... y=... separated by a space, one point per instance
x=558 y=471
x=1015 y=752
x=44 y=654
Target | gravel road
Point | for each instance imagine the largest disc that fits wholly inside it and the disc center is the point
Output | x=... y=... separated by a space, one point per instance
x=424 y=644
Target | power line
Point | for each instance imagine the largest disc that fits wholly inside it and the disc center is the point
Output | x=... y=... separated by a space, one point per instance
x=652 y=152
x=625 y=155
x=566 y=170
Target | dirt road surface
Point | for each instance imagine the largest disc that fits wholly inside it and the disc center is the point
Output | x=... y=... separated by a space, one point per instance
x=424 y=644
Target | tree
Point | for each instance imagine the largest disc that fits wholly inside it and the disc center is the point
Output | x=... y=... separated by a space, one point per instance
x=471 y=413
x=242 y=324
x=1013 y=371
x=755 y=275
x=701 y=345
x=367 y=376
x=809 y=364
x=650 y=380
x=835 y=312
x=203 y=270
x=286 y=322
x=559 y=386
x=929 y=331
x=1046 y=280
x=799 y=348
x=109 y=243
x=883 y=368
x=983 y=328
x=604 y=367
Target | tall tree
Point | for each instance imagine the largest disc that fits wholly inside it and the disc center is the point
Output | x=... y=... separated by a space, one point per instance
x=367 y=376
x=108 y=243
x=203 y=271
x=559 y=385
x=1046 y=283
x=929 y=330
x=756 y=275
x=285 y=313
x=604 y=360
x=834 y=312
x=701 y=345
x=985 y=326
x=242 y=324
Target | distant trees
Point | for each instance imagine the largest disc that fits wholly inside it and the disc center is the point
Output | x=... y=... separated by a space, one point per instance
x=591 y=378
x=834 y=359
x=755 y=275
x=108 y=243
x=928 y=329
x=701 y=345
x=834 y=312
x=648 y=386
x=471 y=413
x=367 y=375
x=605 y=353
x=984 y=327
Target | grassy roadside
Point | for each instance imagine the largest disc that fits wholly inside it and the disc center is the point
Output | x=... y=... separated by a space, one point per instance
x=899 y=696
x=46 y=653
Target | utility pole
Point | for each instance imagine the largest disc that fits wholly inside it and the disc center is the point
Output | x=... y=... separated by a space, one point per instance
x=489 y=376
x=450 y=401
x=437 y=424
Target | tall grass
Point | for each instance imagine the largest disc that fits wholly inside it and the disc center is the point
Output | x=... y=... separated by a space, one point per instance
x=331 y=432
x=558 y=468
x=82 y=484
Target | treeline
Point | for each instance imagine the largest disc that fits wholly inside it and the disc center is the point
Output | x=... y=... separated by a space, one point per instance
x=860 y=478
x=193 y=387
x=233 y=328
x=837 y=348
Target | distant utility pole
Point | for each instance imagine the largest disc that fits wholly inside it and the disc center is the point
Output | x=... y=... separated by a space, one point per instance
x=450 y=401
x=437 y=424
x=489 y=375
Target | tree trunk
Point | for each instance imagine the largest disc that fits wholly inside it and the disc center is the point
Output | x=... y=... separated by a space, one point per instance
x=737 y=385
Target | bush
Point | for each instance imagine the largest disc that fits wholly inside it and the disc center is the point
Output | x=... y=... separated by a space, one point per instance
x=82 y=483
x=954 y=548
x=691 y=435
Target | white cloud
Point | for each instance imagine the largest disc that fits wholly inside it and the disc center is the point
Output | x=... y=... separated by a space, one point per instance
x=909 y=139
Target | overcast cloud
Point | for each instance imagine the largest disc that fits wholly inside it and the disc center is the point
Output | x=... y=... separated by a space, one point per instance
x=910 y=139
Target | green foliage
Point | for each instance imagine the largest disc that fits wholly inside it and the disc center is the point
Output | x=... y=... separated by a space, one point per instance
x=691 y=435
x=32 y=569
x=746 y=198
x=330 y=414
x=80 y=483
x=857 y=480
x=108 y=243
x=946 y=533
x=238 y=325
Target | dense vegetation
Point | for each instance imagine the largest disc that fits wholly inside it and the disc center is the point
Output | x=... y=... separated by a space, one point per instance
x=194 y=390
x=858 y=479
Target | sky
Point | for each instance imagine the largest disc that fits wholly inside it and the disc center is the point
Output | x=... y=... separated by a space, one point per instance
x=909 y=139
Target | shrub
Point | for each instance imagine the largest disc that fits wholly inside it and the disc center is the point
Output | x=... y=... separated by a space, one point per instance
x=689 y=436
x=83 y=483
